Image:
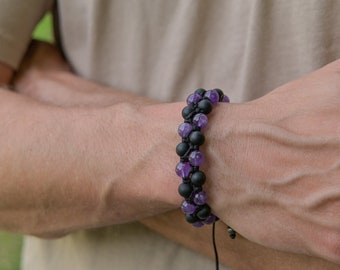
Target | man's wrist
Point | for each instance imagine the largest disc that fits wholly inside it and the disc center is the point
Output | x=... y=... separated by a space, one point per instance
x=135 y=157
x=226 y=148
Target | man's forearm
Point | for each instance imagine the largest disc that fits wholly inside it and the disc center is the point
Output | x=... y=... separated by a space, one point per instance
x=66 y=169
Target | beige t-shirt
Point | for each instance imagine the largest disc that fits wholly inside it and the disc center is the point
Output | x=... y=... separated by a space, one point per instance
x=164 y=49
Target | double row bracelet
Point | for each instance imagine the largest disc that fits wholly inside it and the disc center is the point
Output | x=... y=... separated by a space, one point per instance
x=195 y=207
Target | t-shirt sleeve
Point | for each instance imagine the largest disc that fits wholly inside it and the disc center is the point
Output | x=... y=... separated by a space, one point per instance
x=17 y=21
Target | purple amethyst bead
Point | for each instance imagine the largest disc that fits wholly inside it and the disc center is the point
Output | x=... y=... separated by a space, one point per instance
x=196 y=158
x=225 y=99
x=200 y=198
x=183 y=169
x=213 y=96
x=184 y=129
x=198 y=224
x=188 y=208
x=211 y=219
x=193 y=98
x=200 y=120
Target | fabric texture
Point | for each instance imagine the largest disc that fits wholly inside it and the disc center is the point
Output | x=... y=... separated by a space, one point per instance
x=17 y=20
x=164 y=50
x=123 y=247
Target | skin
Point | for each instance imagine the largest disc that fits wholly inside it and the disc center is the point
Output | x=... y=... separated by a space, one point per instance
x=290 y=189
x=52 y=83
x=6 y=73
x=67 y=177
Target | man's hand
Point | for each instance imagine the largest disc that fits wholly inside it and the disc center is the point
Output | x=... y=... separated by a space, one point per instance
x=273 y=166
x=45 y=76
x=6 y=74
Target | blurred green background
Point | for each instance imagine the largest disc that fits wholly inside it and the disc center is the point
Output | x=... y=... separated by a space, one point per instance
x=10 y=247
x=10 y=244
x=44 y=30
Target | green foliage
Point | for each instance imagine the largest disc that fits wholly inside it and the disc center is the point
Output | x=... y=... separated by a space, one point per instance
x=44 y=30
x=10 y=250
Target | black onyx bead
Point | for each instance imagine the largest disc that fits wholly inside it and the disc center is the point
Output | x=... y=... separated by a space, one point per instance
x=220 y=93
x=204 y=212
x=196 y=138
x=198 y=179
x=191 y=218
x=185 y=190
x=205 y=106
x=200 y=91
x=187 y=111
x=182 y=148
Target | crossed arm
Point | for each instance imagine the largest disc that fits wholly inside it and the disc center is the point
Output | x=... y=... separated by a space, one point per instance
x=82 y=167
x=59 y=178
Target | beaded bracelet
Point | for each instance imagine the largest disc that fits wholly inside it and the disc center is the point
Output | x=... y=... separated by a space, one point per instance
x=195 y=207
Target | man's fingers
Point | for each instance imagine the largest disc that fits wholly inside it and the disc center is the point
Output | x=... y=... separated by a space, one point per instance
x=44 y=57
x=41 y=57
